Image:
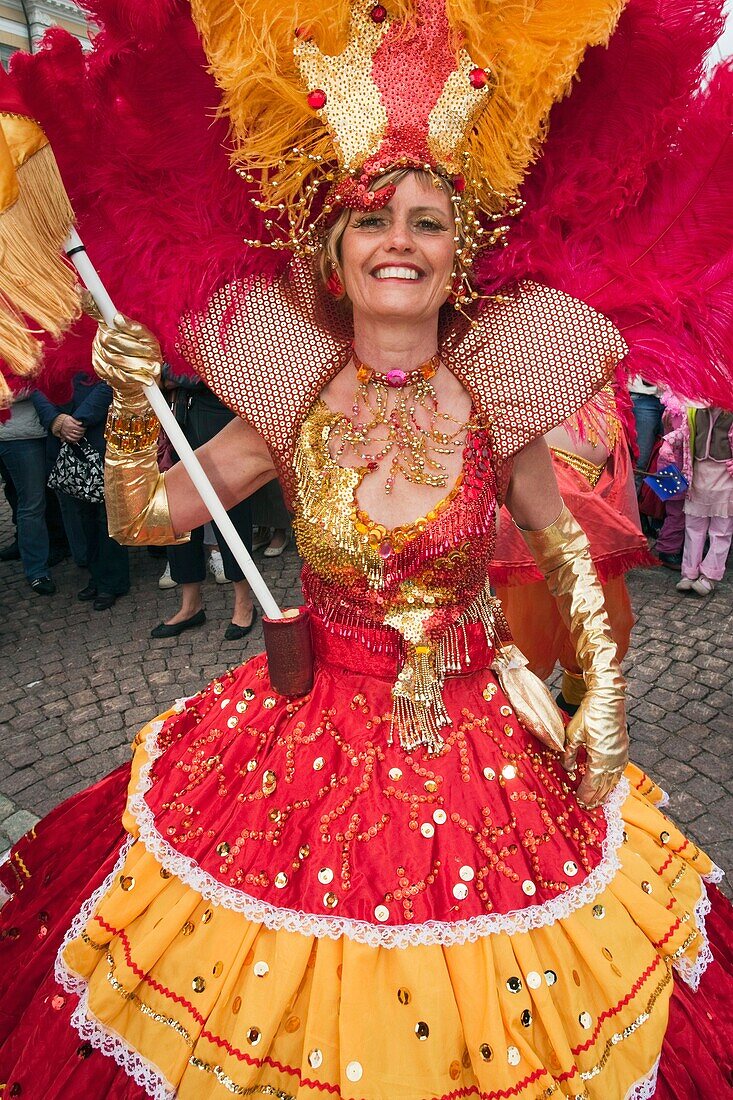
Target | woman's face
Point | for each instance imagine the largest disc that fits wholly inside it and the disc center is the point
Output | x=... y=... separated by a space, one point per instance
x=397 y=262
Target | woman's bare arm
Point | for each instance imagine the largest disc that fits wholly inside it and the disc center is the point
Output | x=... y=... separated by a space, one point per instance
x=237 y=463
x=533 y=497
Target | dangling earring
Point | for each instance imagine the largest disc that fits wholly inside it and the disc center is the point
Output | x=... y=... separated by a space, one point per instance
x=456 y=287
x=334 y=284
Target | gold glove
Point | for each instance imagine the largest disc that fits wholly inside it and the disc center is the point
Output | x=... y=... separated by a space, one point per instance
x=561 y=552
x=128 y=357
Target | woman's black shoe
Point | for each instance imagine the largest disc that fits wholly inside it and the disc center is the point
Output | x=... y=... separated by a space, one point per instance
x=88 y=593
x=234 y=633
x=104 y=601
x=172 y=630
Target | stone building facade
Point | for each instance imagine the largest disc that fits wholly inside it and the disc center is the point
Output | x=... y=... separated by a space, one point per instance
x=23 y=22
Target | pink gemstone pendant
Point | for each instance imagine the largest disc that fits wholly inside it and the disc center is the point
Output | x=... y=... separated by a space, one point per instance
x=395 y=378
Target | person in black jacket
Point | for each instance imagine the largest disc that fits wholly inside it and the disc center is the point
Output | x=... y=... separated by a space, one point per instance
x=84 y=416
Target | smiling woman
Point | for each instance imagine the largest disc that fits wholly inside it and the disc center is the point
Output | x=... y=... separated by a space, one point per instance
x=413 y=880
x=437 y=217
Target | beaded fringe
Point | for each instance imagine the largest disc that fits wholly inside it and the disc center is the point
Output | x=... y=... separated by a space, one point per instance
x=418 y=710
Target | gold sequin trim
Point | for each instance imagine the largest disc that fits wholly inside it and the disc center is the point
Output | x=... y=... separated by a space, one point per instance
x=233 y=1087
x=586 y=469
x=142 y=1007
x=688 y=942
x=87 y=939
x=619 y=1036
x=678 y=876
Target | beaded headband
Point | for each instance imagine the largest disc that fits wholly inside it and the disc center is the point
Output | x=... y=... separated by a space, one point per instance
x=324 y=99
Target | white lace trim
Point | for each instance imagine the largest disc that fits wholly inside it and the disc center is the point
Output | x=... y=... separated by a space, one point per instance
x=112 y=1045
x=399 y=936
x=692 y=970
x=5 y=894
x=663 y=801
x=717 y=874
x=69 y=981
x=646 y=1086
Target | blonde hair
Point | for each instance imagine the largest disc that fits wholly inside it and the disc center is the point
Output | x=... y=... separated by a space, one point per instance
x=329 y=256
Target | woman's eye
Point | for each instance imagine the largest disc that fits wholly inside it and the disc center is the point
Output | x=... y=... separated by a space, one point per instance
x=431 y=224
x=371 y=221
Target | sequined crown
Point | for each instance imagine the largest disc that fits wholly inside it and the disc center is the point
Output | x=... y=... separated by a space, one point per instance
x=397 y=95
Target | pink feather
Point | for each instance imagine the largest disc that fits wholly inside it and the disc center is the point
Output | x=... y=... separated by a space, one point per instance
x=627 y=207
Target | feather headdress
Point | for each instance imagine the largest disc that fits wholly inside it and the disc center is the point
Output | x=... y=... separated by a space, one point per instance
x=637 y=159
x=340 y=93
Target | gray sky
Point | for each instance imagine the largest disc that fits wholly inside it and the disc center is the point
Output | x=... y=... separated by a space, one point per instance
x=724 y=46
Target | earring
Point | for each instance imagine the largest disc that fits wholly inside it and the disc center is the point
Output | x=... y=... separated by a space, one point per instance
x=455 y=289
x=334 y=284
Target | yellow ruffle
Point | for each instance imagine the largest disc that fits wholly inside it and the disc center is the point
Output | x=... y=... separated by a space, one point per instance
x=221 y=1005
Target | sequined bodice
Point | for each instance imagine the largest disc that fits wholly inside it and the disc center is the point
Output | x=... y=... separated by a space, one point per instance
x=410 y=587
x=418 y=578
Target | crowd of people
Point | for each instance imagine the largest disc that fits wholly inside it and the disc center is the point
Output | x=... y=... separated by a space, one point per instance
x=53 y=523
x=691 y=528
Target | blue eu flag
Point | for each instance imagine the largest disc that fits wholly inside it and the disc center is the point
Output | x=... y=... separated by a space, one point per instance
x=666 y=483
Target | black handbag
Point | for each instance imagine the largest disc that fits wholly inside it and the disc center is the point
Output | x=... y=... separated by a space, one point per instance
x=79 y=472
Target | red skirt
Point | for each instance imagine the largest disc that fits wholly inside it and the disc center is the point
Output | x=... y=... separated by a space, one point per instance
x=316 y=924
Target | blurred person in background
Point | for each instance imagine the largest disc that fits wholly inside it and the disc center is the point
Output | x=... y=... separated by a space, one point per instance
x=23 y=452
x=202 y=416
x=702 y=446
x=83 y=418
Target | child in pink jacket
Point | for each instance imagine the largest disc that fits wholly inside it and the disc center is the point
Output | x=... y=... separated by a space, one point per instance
x=703 y=447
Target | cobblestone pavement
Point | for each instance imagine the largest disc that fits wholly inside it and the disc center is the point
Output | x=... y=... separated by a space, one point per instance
x=76 y=684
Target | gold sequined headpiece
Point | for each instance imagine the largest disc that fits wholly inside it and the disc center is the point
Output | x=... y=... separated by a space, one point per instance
x=325 y=98
x=384 y=106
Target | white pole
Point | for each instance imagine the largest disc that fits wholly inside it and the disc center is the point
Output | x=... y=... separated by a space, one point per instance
x=76 y=252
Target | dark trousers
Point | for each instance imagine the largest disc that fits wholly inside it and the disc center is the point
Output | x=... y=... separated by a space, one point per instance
x=25 y=461
x=204 y=418
x=107 y=561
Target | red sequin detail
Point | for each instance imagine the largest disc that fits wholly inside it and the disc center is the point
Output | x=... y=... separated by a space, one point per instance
x=317 y=99
x=479 y=78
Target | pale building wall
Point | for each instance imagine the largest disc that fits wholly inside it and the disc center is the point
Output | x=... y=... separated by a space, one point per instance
x=22 y=24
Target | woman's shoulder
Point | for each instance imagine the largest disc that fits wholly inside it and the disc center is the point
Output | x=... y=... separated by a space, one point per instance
x=532 y=358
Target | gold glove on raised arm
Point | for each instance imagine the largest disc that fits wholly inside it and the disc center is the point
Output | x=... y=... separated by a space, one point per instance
x=128 y=357
x=561 y=552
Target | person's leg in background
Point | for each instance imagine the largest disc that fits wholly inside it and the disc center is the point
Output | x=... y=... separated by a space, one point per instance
x=58 y=541
x=648 y=419
x=25 y=460
x=696 y=529
x=188 y=570
x=211 y=547
x=244 y=614
x=109 y=563
x=720 y=534
x=75 y=528
x=11 y=551
x=668 y=546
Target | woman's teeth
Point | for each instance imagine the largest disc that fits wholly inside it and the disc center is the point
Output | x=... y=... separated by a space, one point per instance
x=396 y=273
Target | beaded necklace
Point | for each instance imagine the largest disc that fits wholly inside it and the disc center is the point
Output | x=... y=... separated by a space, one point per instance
x=413 y=448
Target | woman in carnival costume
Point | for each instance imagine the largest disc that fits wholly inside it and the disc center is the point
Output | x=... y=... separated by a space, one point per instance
x=387 y=887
